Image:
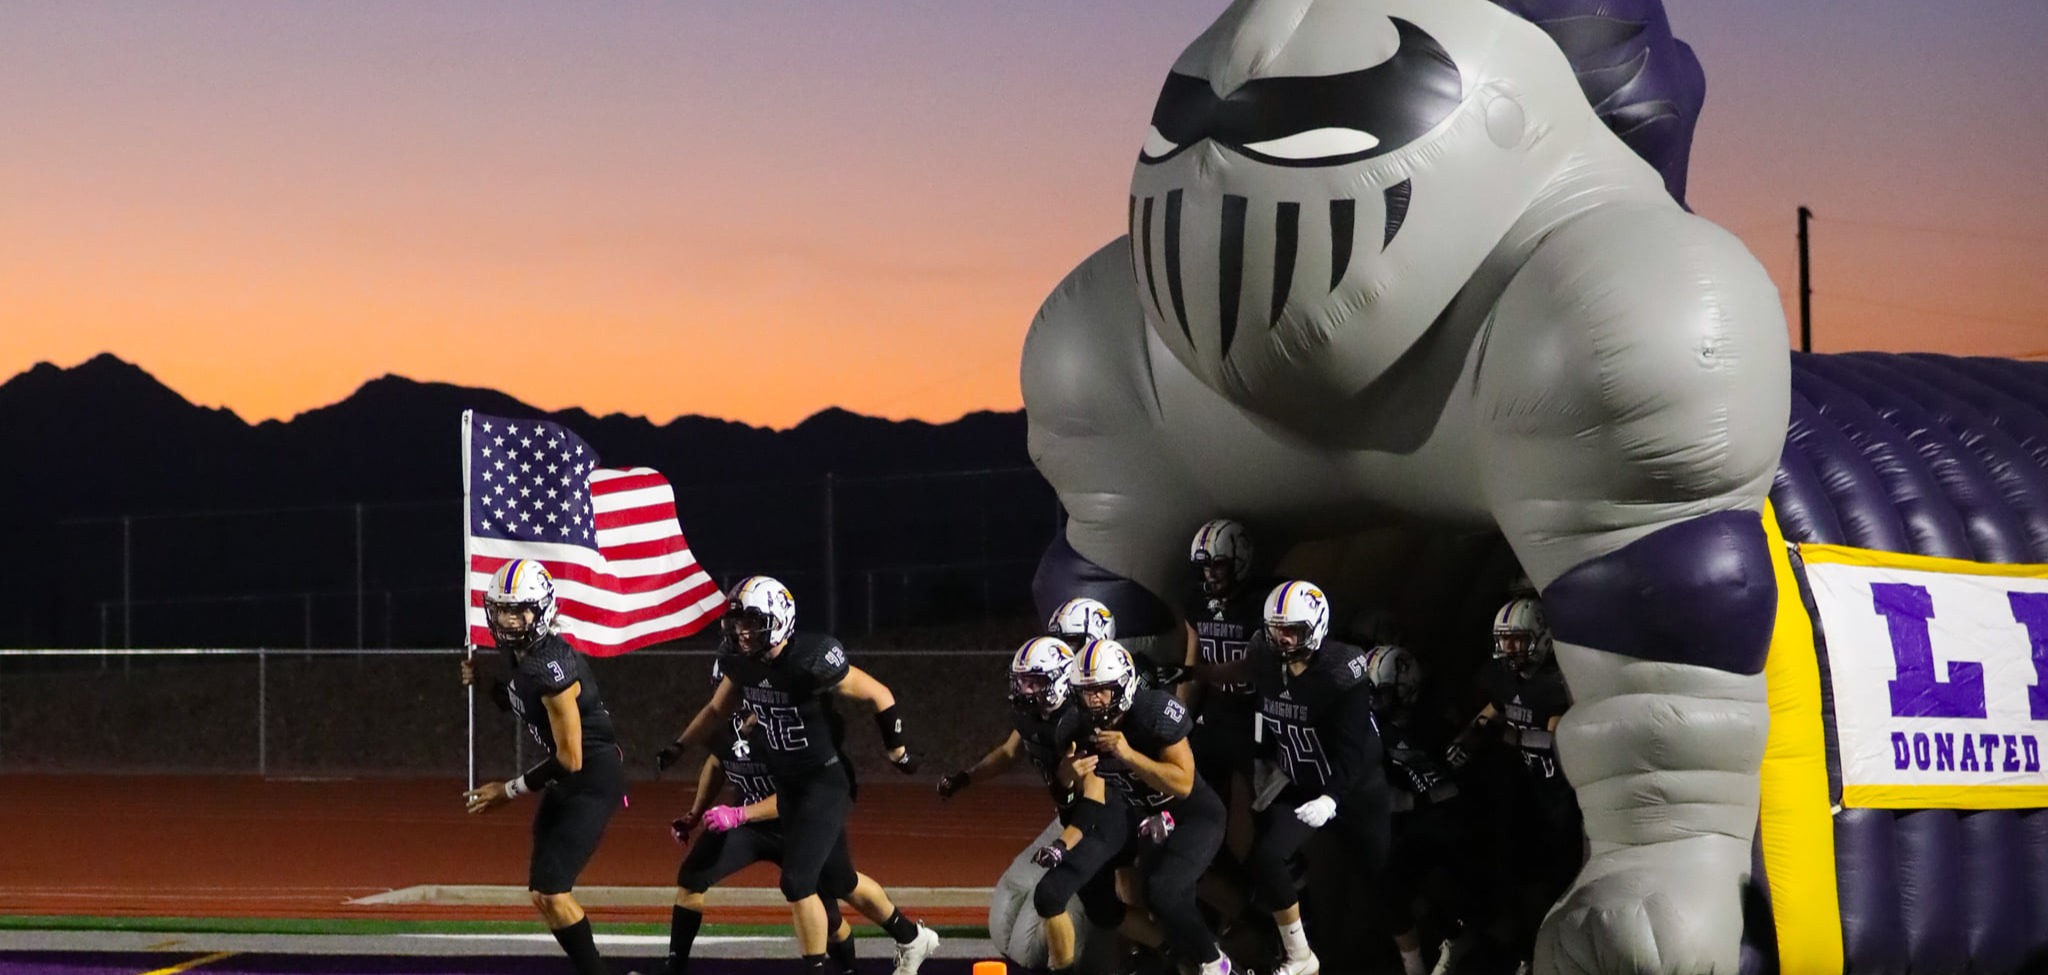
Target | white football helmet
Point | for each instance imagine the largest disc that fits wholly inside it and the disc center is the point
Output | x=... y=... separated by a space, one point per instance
x=1222 y=553
x=1297 y=619
x=1078 y=621
x=1521 y=634
x=519 y=586
x=1395 y=675
x=1039 y=675
x=1105 y=663
x=759 y=615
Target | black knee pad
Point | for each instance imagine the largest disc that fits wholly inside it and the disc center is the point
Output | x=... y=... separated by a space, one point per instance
x=1051 y=895
x=1700 y=592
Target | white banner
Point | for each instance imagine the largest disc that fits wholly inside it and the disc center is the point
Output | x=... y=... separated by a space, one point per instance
x=1939 y=670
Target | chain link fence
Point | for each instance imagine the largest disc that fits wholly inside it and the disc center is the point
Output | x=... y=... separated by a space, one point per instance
x=863 y=554
x=348 y=713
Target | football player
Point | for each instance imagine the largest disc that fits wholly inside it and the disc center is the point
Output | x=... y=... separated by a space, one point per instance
x=1222 y=616
x=1136 y=740
x=747 y=832
x=785 y=677
x=1093 y=840
x=1428 y=829
x=1526 y=696
x=582 y=782
x=1316 y=725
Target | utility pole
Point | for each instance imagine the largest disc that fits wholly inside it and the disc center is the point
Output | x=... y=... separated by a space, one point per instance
x=1805 y=286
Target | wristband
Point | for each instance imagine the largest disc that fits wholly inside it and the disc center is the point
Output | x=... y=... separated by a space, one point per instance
x=891 y=726
x=516 y=787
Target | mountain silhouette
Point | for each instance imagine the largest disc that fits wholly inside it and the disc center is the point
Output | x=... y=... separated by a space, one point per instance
x=241 y=534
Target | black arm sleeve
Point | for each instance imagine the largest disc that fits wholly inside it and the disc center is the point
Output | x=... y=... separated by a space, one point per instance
x=1089 y=816
x=1354 y=742
x=543 y=775
x=889 y=723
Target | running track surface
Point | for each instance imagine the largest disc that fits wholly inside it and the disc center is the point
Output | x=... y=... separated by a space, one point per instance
x=198 y=846
x=133 y=963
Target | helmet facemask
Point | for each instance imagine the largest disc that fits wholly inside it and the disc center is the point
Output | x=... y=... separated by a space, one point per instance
x=514 y=626
x=750 y=629
x=1036 y=693
x=1105 y=703
x=1219 y=576
x=1519 y=648
x=1294 y=641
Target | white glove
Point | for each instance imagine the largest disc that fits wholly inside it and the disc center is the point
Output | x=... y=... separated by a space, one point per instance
x=1317 y=811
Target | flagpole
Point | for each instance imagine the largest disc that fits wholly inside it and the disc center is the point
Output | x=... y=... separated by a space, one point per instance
x=468 y=649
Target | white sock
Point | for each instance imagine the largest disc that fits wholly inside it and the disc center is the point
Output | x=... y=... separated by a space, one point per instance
x=1411 y=962
x=1221 y=966
x=1294 y=940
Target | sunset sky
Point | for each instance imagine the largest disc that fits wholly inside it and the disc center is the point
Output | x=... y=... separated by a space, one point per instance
x=755 y=209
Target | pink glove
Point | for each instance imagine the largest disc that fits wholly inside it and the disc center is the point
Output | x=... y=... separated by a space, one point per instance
x=722 y=818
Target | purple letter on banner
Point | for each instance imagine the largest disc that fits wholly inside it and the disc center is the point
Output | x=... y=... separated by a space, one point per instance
x=2031 y=609
x=1902 y=756
x=1917 y=693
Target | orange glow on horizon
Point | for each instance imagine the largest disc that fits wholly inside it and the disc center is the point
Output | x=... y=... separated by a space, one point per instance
x=759 y=211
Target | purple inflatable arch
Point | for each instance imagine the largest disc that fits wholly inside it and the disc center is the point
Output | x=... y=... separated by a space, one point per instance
x=1942 y=456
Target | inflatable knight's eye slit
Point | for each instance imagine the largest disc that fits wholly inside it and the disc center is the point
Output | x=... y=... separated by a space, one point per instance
x=1317 y=144
x=1230 y=265
x=1151 y=280
x=1397 y=209
x=1157 y=146
x=1173 y=288
x=1343 y=222
x=1286 y=236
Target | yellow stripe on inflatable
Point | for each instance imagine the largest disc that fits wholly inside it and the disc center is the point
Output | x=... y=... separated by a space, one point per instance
x=1945 y=796
x=1845 y=555
x=1796 y=823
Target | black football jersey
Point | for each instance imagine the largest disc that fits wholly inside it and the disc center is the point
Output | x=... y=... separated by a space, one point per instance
x=1528 y=704
x=1155 y=721
x=790 y=695
x=1043 y=747
x=548 y=669
x=1318 y=725
x=1224 y=630
x=739 y=757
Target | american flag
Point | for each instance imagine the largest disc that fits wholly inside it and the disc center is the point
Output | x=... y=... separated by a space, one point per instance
x=624 y=576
